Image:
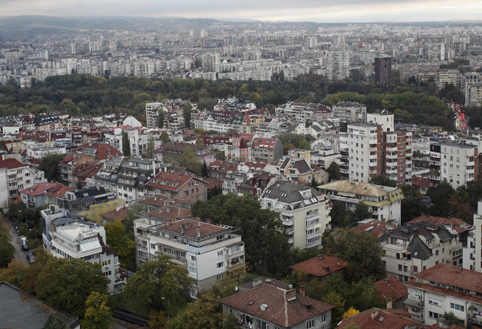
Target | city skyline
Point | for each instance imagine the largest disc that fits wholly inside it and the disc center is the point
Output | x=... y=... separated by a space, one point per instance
x=316 y=11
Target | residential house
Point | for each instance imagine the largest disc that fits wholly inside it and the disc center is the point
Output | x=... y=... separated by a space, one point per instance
x=269 y=306
x=393 y=292
x=297 y=167
x=442 y=289
x=177 y=186
x=14 y=177
x=413 y=248
x=133 y=176
x=36 y=196
x=375 y=318
x=321 y=267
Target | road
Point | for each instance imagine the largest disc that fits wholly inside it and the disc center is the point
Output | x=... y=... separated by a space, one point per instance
x=16 y=242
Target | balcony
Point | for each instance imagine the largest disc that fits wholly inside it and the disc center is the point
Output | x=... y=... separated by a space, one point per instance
x=435 y=155
x=435 y=163
x=469 y=163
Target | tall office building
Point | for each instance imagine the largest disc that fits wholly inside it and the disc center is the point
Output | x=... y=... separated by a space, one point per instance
x=383 y=70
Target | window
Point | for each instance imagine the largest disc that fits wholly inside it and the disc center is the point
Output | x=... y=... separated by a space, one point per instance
x=220 y=253
x=457 y=307
x=220 y=264
x=323 y=318
x=310 y=324
x=436 y=302
x=433 y=315
x=192 y=269
x=220 y=277
x=400 y=268
x=193 y=258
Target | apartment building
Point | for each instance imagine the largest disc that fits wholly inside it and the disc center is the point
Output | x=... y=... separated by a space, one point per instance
x=152 y=114
x=14 y=177
x=266 y=149
x=66 y=235
x=297 y=167
x=375 y=148
x=383 y=202
x=472 y=87
x=472 y=253
x=447 y=77
x=350 y=112
x=383 y=70
x=361 y=151
x=412 y=248
x=454 y=163
x=446 y=289
x=133 y=176
x=210 y=252
x=305 y=212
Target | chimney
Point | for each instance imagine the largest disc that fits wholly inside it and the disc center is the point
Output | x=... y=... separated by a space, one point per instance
x=302 y=290
x=374 y=314
x=198 y=232
x=169 y=222
x=290 y=295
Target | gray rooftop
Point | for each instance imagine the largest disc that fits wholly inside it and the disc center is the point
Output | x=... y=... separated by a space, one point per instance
x=23 y=311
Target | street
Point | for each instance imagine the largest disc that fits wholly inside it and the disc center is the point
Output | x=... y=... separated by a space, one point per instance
x=16 y=242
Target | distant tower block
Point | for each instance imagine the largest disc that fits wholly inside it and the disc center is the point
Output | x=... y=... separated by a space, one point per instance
x=383 y=70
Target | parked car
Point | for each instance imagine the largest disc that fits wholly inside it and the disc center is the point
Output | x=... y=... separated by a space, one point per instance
x=24 y=244
x=30 y=258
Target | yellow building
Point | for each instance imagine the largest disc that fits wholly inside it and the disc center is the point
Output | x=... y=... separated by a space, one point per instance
x=95 y=211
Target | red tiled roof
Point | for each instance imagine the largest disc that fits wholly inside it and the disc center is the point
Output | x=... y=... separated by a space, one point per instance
x=191 y=227
x=11 y=164
x=421 y=181
x=391 y=288
x=59 y=192
x=284 y=308
x=104 y=151
x=116 y=214
x=455 y=224
x=171 y=213
x=160 y=200
x=376 y=318
x=376 y=228
x=40 y=188
x=453 y=276
x=320 y=266
x=168 y=181
x=269 y=142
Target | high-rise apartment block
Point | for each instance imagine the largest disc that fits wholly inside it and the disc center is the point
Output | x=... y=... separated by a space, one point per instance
x=375 y=148
x=454 y=163
x=152 y=114
x=383 y=70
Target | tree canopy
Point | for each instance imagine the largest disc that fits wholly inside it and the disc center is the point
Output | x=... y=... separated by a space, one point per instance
x=159 y=285
x=66 y=284
x=7 y=251
x=361 y=250
x=49 y=164
x=383 y=180
x=261 y=229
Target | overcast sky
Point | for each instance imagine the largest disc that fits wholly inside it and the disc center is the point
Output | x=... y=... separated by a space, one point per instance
x=288 y=10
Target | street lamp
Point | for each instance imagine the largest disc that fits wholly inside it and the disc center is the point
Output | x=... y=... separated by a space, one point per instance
x=168 y=308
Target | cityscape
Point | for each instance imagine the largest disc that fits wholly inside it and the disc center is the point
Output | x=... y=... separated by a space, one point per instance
x=225 y=167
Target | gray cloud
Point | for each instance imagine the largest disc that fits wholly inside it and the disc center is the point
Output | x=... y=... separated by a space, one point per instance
x=313 y=10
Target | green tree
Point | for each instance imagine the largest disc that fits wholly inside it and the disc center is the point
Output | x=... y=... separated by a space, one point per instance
x=54 y=322
x=7 y=251
x=128 y=222
x=441 y=196
x=204 y=170
x=126 y=146
x=205 y=312
x=49 y=164
x=159 y=284
x=190 y=160
x=267 y=248
x=383 y=180
x=334 y=171
x=340 y=217
x=161 y=118
x=361 y=212
x=150 y=147
x=98 y=315
x=231 y=322
x=337 y=300
x=187 y=114
x=361 y=250
x=118 y=240
x=66 y=284
x=165 y=138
